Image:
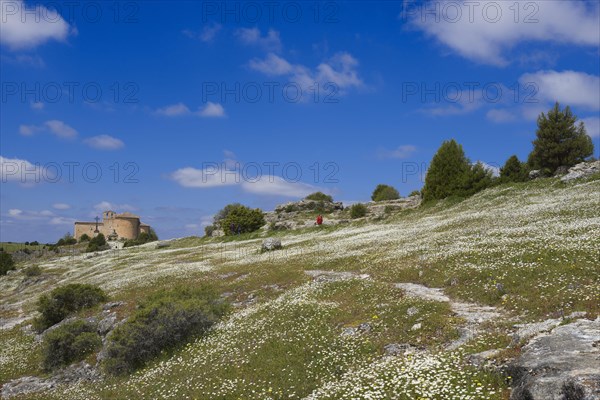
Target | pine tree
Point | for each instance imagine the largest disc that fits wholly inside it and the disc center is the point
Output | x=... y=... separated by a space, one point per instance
x=447 y=173
x=513 y=170
x=559 y=141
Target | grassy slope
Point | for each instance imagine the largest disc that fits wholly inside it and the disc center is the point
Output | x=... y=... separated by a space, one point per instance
x=531 y=249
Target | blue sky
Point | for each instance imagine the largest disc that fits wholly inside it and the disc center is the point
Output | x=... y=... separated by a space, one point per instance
x=172 y=110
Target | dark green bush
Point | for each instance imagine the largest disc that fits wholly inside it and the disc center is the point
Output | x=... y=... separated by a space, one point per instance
x=415 y=193
x=358 y=210
x=142 y=238
x=84 y=238
x=64 y=301
x=164 y=321
x=32 y=270
x=68 y=343
x=384 y=192
x=319 y=196
x=97 y=243
x=66 y=240
x=6 y=263
x=243 y=220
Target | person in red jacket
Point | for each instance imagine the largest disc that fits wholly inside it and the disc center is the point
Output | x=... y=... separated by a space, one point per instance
x=319 y=219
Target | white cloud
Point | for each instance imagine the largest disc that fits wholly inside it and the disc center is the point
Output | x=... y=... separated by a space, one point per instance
x=492 y=28
x=567 y=87
x=492 y=168
x=25 y=26
x=252 y=36
x=211 y=110
x=37 y=105
x=57 y=128
x=14 y=212
x=61 y=206
x=272 y=65
x=230 y=173
x=270 y=185
x=16 y=170
x=500 y=116
x=205 y=178
x=340 y=70
x=208 y=34
x=104 y=142
x=592 y=126
x=61 y=221
x=61 y=129
x=174 y=110
x=404 y=151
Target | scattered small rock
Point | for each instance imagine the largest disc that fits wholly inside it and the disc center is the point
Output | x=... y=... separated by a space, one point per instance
x=111 y=305
x=271 y=244
x=365 y=327
x=107 y=324
x=412 y=311
x=416 y=327
x=395 y=349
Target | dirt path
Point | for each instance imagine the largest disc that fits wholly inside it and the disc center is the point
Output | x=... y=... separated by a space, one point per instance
x=473 y=314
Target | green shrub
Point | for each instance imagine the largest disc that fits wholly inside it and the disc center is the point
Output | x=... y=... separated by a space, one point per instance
x=165 y=320
x=142 y=238
x=64 y=301
x=385 y=192
x=319 y=196
x=559 y=141
x=97 y=243
x=243 y=220
x=34 y=243
x=66 y=240
x=514 y=171
x=415 y=193
x=84 y=238
x=6 y=263
x=208 y=230
x=32 y=270
x=68 y=343
x=358 y=210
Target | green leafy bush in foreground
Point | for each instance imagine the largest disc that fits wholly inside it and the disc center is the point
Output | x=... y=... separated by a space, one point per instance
x=68 y=343
x=163 y=321
x=64 y=301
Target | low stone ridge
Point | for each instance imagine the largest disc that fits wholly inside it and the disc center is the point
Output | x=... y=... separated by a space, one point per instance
x=582 y=170
x=561 y=364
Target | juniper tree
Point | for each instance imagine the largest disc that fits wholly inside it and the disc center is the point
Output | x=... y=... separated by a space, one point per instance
x=559 y=141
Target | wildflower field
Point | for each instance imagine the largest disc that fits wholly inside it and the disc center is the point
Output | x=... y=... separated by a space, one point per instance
x=315 y=319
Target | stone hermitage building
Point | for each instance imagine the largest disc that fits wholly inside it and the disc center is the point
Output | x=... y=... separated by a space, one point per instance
x=113 y=226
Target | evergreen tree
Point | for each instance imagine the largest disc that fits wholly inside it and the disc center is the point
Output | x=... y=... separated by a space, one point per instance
x=513 y=170
x=447 y=173
x=559 y=141
x=478 y=178
x=385 y=192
